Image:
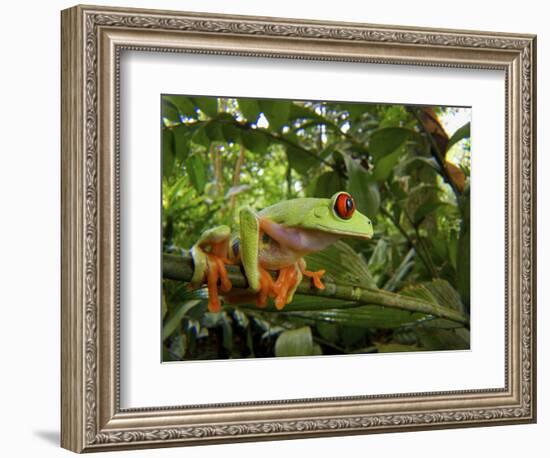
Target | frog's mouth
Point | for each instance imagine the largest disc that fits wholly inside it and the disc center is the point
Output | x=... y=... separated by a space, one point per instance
x=358 y=235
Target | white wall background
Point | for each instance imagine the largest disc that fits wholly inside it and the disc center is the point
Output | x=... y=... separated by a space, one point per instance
x=29 y=233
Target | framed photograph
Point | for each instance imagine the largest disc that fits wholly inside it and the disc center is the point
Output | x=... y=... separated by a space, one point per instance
x=278 y=228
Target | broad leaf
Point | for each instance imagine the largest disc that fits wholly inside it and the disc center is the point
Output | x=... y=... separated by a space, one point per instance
x=437 y=292
x=196 y=169
x=460 y=134
x=214 y=132
x=300 y=160
x=396 y=347
x=170 y=111
x=343 y=264
x=387 y=140
x=365 y=317
x=200 y=137
x=250 y=108
x=185 y=105
x=175 y=319
x=328 y=184
x=167 y=152
x=428 y=208
x=296 y=342
x=385 y=165
x=302 y=112
x=255 y=141
x=231 y=133
x=208 y=105
x=181 y=142
x=276 y=112
x=363 y=188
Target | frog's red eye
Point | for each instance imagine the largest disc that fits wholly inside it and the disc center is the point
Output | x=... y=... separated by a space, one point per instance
x=344 y=206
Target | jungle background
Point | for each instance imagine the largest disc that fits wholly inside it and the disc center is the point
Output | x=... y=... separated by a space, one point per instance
x=405 y=172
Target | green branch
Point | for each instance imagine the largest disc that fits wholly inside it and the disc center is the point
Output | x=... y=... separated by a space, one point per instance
x=181 y=268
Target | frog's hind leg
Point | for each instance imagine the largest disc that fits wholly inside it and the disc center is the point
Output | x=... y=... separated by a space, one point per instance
x=210 y=254
x=267 y=288
x=287 y=282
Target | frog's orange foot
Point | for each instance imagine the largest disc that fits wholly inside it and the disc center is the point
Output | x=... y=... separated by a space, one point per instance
x=267 y=288
x=216 y=272
x=285 y=285
x=316 y=277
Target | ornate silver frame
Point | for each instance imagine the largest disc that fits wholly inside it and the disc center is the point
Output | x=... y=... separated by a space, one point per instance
x=92 y=39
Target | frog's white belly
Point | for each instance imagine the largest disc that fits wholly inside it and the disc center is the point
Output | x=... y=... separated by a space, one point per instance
x=273 y=256
x=286 y=245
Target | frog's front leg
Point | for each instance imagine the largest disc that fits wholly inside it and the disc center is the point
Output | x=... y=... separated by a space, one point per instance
x=259 y=279
x=314 y=275
x=210 y=254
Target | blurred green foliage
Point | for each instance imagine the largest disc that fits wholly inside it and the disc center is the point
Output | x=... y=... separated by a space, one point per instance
x=404 y=171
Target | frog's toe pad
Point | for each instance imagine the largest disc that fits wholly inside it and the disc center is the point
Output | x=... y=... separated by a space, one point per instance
x=316 y=277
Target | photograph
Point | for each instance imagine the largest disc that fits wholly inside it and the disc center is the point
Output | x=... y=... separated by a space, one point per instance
x=313 y=227
x=284 y=227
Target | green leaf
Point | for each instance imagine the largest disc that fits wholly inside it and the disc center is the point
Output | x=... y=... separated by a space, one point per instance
x=169 y=111
x=328 y=184
x=396 y=347
x=214 y=132
x=356 y=110
x=200 y=137
x=363 y=188
x=364 y=317
x=181 y=142
x=463 y=266
x=353 y=335
x=175 y=319
x=443 y=339
x=302 y=112
x=231 y=133
x=385 y=165
x=401 y=272
x=460 y=134
x=250 y=108
x=309 y=303
x=296 y=342
x=343 y=264
x=437 y=292
x=227 y=333
x=299 y=160
x=276 y=112
x=428 y=208
x=164 y=305
x=185 y=105
x=463 y=249
x=208 y=105
x=328 y=331
x=178 y=347
x=196 y=169
x=167 y=152
x=387 y=140
x=255 y=141
x=415 y=161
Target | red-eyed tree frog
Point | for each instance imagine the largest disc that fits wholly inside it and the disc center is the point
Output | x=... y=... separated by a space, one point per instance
x=275 y=238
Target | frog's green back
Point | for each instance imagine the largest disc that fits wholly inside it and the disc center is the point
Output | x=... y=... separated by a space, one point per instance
x=292 y=212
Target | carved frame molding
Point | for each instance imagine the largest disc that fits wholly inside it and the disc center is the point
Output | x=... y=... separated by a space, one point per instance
x=92 y=39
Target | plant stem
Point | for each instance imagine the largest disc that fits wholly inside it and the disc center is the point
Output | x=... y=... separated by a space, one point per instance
x=181 y=268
